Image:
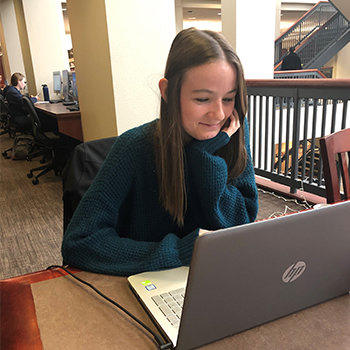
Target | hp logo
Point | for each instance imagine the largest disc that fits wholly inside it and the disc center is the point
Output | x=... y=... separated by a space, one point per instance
x=293 y=272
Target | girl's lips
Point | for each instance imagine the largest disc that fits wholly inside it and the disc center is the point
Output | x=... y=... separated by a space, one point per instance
x=211 y=127
x=217 y=125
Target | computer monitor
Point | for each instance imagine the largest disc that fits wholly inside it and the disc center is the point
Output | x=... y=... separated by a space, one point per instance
x=65 y=85
x=74 y=87
x=57 y=82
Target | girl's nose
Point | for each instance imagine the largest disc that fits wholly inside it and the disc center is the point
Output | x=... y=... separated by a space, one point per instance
x=217 y=110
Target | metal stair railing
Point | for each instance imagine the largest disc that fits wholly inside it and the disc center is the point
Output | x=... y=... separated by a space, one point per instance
x=303 y=28
x=323 y=39
x=299 y=74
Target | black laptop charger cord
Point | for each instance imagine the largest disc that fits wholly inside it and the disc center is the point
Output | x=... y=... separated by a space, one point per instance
x=161 y=344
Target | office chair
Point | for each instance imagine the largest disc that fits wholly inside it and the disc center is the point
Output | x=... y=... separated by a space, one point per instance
x=4 y=116
x=80 y=171
x=335 y=152
x=46 y=143
x=21 y=135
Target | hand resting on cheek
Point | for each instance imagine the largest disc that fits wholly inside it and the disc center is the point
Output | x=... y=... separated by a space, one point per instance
x=232 y=124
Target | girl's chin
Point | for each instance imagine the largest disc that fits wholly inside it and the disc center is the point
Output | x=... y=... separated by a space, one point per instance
x=206 y=136
x=201 y=135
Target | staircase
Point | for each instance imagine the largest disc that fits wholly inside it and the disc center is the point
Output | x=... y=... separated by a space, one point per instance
x=309 y=160
x=317 y=36
x=309 y=165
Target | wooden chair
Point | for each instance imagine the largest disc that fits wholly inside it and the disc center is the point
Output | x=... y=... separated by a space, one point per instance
x=335 y=152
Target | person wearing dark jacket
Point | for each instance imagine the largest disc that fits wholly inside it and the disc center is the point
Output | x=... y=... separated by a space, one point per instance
x=13 y=96
x=291 y=61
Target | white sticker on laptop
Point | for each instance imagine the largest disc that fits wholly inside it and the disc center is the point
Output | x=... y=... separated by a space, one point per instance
x=148 y=285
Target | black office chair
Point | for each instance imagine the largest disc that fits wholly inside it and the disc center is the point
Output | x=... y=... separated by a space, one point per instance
x=46 y=143
x=4 y=116
x=80 y=171
x=22 y=135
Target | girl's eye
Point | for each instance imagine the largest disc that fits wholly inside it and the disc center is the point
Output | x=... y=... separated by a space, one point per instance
x=201 y=100
x=228 y=99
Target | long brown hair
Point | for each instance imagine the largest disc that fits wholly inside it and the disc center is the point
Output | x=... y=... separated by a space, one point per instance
x=191 y=48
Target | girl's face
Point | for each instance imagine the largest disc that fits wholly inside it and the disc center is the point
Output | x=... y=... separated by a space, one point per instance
x=207 y=98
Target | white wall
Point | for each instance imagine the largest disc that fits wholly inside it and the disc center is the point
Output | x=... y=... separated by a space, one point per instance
x=340 y=63
x=139 y=43
x=13 y=47
x=343 y=6
x=46 y=35
x=228 y=21
x=255 y=37
x=179 y=15
x=342 y=68
x=254 y=25
x=278 y=19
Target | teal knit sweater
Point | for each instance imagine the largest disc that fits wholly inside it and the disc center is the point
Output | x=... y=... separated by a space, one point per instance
x=121 y=228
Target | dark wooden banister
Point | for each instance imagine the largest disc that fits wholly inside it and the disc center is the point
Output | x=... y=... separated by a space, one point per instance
x=297 y=83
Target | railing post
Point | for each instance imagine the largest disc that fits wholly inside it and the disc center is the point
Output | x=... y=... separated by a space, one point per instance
x=295 y=142
x=319 y=16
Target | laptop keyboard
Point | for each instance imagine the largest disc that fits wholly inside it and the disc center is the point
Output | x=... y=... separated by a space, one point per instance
x=171 y=305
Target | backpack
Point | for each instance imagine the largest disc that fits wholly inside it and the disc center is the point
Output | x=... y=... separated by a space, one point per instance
x=22 y=146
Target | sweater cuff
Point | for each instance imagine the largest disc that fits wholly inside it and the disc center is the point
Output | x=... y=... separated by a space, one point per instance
x=186 y=245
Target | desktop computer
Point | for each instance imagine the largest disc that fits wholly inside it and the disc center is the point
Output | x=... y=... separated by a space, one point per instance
x=69 y=89
x=69 y=86
x=74 y=87
x=57 y=82
x=65 y=85
x=57 y=85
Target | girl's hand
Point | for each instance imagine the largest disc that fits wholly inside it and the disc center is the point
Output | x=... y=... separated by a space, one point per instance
x=232 y=124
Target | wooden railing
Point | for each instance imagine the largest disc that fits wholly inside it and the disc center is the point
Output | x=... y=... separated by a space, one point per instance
x=286 y=118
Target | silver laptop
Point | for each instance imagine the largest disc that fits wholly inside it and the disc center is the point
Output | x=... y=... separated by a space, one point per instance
x=247 y=275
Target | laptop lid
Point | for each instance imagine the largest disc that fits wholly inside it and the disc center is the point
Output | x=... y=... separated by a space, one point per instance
x=247 y=275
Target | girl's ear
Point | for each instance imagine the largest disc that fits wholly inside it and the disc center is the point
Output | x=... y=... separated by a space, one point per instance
x=163 y=85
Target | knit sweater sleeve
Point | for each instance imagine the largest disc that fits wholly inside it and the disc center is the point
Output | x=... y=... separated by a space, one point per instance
x=91 y=241
x=222 y=203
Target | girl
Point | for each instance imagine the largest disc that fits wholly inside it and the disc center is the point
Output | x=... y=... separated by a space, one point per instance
x=165 y=180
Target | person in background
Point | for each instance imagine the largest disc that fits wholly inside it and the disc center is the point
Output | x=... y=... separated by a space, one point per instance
x=13 y=95
x=284 y=52
x=291 y=61
x=2 y=84
x=165 y=180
